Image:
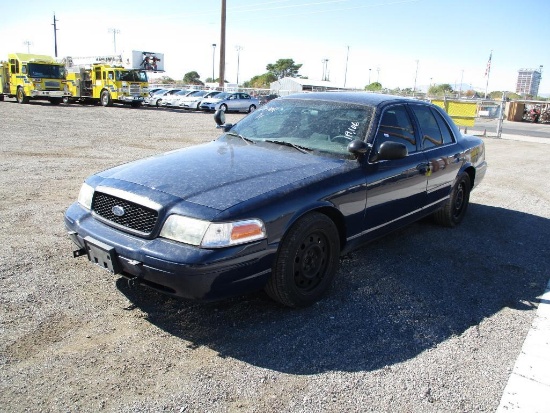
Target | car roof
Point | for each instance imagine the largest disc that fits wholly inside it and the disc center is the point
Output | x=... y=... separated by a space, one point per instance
x=360 y=98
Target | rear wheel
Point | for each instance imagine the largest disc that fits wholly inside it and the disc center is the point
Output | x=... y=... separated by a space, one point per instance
x=55 y=101
x=306 y=262
x=21 y=98
x=223 y=108
x=455 y=208
x=66 y=100
x=106 y=98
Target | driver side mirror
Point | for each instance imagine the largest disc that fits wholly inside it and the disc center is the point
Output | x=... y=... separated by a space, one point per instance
x=219 y=118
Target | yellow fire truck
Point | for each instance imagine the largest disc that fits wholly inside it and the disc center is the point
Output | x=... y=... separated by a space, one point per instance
x=105 y=80
x=31 y=76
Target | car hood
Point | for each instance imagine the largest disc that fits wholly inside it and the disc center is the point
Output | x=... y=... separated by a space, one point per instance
x=223 y=173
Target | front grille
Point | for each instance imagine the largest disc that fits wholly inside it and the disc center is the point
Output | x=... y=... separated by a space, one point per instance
x=135 y=90
x=136 y=217
x=52 y=85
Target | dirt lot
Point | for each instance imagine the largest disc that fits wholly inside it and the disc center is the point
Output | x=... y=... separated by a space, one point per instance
x=427 y=319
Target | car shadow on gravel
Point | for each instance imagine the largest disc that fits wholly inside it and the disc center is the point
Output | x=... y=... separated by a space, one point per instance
x=393 y=298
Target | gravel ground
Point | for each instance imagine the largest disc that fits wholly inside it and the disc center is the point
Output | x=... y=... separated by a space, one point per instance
x=427 y=319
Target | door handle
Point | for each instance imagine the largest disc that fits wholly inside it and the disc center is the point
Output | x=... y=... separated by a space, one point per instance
x=424 y=168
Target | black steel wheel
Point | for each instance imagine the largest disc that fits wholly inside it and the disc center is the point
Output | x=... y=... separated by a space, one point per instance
x=454 y=210
x=306 y=262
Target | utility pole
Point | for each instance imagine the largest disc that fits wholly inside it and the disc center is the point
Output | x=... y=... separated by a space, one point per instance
x=115 y=32
x=28 y=44
x=222 y=47
x=55 y=29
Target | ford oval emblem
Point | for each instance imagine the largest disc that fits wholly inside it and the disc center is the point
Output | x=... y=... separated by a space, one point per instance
x=118 y=211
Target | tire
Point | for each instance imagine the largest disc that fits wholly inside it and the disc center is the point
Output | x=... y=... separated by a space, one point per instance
x=252 y=108
x=455 y=208
x=223 y=108
x=55 y=101
x=158 y=103
x=66 y=100
x=1 y=97
x=135 y=104
x=106 y=98
x=306 y=262
x=21 y=98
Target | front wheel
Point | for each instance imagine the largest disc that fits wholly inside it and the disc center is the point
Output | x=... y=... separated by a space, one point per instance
x=455 y=208
x=106 y=98
x=21 y=98
x=223 y=108
x=252 y=108
x=306 y=262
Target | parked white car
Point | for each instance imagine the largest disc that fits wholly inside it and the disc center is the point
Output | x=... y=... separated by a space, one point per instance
x=173 y=99
x=156 y=99
x=193 y=100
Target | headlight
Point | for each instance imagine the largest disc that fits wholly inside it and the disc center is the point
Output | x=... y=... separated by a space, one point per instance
x=85 y=196
x=210 y=234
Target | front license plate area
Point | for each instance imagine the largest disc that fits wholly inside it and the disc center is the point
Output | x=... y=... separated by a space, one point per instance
x=102 y=255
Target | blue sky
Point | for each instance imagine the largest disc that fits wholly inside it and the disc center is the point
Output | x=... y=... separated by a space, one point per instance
x=448 y=41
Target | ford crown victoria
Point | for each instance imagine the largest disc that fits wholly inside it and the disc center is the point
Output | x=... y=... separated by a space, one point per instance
x=277 y=199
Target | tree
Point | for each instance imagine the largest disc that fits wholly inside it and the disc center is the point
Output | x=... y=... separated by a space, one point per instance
x=192 y=78
x=374 y=87
x=261 y=81
x=164 y=80
x=440 y=90
x=284 y=68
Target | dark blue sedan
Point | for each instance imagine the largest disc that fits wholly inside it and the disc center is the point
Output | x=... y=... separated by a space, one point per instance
x=277 y=199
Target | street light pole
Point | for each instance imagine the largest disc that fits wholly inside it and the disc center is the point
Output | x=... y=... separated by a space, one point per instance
x=238 y=49
x=415 y=77
x=213 y=61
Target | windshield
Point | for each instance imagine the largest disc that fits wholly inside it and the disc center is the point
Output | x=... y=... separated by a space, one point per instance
x=222 y=95
x=45 y=70
x=131 y=75
x=317 y=125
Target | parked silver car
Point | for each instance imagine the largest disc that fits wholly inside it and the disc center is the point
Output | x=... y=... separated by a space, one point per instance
x=237 y=101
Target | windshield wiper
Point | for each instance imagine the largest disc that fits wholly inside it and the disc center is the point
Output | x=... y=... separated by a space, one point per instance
x=302 y=149
x=231 y=133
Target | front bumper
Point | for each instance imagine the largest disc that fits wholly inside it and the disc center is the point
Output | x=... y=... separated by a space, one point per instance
x=171 y=267
x=49 y=93
x=131 y=99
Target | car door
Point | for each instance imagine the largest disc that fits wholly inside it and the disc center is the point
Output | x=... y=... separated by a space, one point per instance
x=444 y=155
x=396 y=189
x=244 y=100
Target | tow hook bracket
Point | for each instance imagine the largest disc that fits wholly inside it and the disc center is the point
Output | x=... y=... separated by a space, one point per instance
x=133 y=282
x=79 y=253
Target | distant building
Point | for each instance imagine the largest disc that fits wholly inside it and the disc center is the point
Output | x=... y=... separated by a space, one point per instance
x=528 y=81
x=288 y=85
